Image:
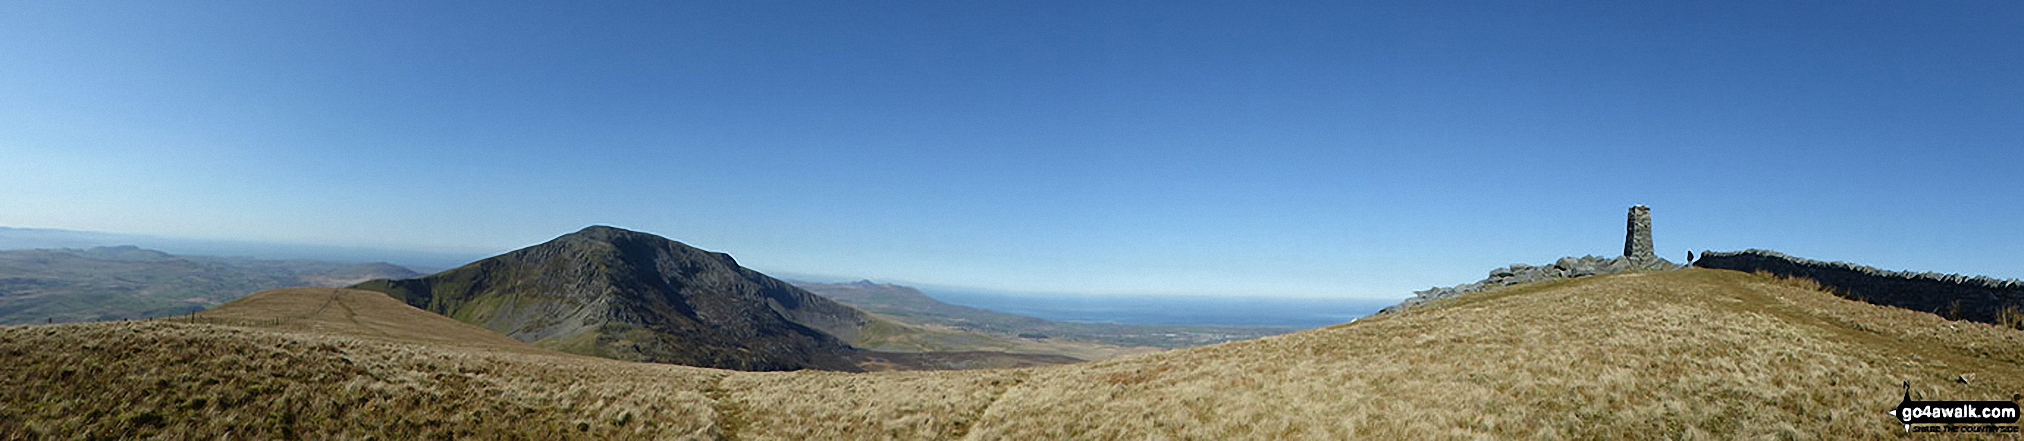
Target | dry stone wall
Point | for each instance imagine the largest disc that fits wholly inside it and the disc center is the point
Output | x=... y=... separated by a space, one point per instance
x=1975 y=298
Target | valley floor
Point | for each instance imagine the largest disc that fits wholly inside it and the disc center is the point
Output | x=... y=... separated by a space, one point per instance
x=1682 y=354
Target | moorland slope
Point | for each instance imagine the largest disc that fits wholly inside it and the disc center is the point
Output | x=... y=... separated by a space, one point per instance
x=1679 y=354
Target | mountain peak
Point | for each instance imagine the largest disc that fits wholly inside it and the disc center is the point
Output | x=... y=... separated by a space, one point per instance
x=606 y=233
x=629 y=241
x=602 y=231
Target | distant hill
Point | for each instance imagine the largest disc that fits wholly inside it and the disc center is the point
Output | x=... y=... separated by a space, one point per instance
x=622 y=294
x=1693 y=353
x=127 y=282
x=910 y=306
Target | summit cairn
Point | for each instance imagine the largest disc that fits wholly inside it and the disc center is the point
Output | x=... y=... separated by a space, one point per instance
x=1637 y=257
x=1637 y=240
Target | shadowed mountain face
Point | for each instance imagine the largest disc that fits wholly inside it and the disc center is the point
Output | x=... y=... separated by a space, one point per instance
x=622 y=294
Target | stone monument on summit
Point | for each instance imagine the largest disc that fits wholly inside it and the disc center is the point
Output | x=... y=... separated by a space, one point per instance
x=1637 y=241
x=1638 y=256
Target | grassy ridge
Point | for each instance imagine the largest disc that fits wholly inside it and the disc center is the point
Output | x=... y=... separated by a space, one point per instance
x=1686 y=354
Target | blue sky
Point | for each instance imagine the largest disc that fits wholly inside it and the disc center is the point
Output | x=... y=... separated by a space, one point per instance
x=1280 y=149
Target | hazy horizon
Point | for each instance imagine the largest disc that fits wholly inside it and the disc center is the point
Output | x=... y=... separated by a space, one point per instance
x=1320 y=150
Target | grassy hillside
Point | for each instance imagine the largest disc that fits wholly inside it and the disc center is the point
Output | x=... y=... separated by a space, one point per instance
x=1697 y=353
x=191 y=381
x=354 y=313
x=1683 y=354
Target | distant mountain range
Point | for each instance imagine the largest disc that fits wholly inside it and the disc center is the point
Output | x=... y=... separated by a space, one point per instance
x=127 y=282
x=12 y=238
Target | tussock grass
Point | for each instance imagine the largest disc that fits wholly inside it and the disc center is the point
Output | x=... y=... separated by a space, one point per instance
x=1692 y=354
x=2011 y=317
x=889 y=405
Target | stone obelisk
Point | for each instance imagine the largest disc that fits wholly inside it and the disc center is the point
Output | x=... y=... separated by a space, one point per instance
x=1637 y=240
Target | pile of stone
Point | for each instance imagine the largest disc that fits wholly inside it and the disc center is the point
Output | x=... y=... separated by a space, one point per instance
x=1637 y=257
x=1565 y=268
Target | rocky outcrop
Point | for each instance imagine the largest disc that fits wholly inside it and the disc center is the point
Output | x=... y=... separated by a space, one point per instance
x=1974 y=298
x=1565 y=268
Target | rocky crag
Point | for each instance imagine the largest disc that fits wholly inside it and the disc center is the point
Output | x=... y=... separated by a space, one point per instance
x=1973 y=298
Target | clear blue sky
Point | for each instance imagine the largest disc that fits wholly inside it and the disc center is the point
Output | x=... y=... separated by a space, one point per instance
x=1233 y=148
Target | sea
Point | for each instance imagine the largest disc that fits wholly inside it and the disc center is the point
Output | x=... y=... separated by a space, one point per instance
x=1169 y=310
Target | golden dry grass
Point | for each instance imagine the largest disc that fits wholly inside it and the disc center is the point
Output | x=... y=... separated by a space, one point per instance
x=355 y=313
x=175 y=380
x=1694 y=354
x=2012 y=317
x=891 y=405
